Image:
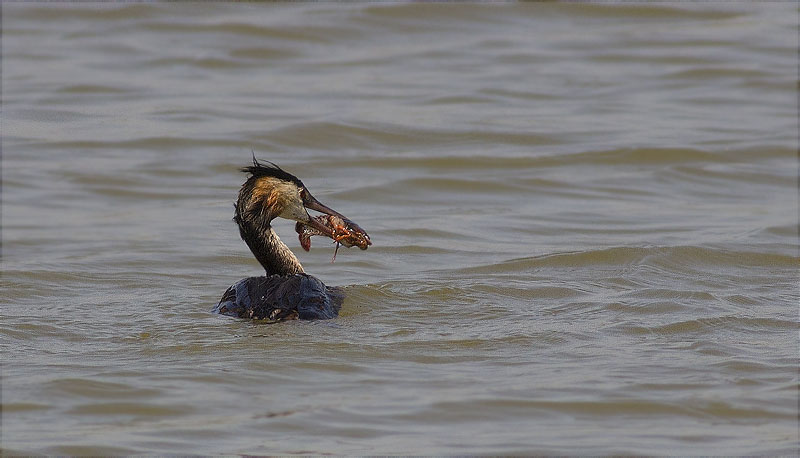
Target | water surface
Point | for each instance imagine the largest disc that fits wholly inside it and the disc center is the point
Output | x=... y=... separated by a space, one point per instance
x=584 y=220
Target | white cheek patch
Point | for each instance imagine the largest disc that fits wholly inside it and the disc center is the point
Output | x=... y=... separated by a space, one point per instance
x=295 y=212
x=292 y=203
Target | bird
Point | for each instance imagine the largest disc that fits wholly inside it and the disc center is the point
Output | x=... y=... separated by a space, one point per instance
x=286 y=292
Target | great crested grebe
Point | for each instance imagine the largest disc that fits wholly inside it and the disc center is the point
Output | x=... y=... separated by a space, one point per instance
x=286 y=292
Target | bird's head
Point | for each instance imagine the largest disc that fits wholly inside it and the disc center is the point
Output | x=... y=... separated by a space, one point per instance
x=271 y=192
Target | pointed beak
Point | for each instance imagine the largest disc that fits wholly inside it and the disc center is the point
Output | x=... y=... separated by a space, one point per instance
x=342 y=230
x=313 y=204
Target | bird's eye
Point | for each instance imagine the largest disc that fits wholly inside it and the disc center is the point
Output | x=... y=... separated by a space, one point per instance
x=303 y=193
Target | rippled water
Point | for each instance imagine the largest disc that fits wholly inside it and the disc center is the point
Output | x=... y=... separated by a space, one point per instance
x=584 y=220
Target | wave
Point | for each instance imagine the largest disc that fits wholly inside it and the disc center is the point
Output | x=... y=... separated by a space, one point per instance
x=362 y=135
x=670 y=256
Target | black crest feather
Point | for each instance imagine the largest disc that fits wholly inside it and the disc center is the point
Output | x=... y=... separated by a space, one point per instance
x=259 y=169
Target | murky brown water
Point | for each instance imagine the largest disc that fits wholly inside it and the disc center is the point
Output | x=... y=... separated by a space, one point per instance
x=584 y=221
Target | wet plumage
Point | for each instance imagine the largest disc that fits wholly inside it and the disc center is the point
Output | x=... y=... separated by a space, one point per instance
x=280 y=297
x=286 y=292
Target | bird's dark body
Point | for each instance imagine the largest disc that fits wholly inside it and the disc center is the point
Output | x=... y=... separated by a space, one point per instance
x=286 y=292
x=279 y=298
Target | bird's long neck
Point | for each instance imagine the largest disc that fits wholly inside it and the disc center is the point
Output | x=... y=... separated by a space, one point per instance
x=270 y=251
